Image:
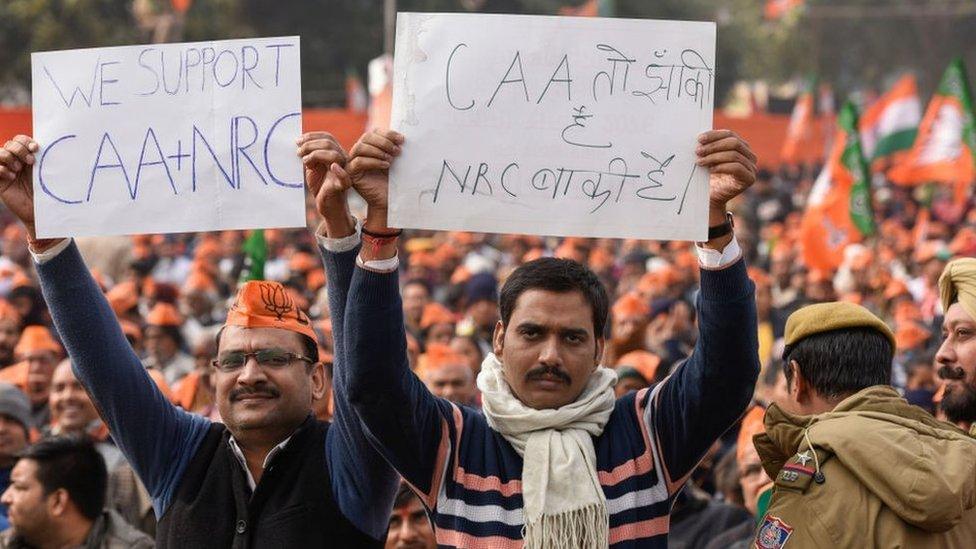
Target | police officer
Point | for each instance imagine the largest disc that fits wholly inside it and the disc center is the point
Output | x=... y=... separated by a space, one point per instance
x=854 y=464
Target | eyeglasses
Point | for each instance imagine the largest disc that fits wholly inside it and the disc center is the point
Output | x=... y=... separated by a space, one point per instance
x=269 y=358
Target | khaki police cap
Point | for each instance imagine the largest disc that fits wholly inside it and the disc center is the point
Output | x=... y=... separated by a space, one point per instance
x=827 y=317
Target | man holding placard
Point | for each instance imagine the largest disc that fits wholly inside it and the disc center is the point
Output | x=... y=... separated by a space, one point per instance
x=270 y=475
x=553 y=460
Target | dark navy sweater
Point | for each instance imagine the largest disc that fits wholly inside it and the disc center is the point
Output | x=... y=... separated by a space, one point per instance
x=469 y=476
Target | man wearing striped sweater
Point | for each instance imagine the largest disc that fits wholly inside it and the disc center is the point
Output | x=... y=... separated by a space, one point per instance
x=553 y=460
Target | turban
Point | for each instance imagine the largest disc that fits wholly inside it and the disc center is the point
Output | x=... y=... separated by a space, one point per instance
x=264 y=304
x=958 y=283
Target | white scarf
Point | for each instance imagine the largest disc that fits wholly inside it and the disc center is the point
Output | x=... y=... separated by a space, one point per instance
x=564 y=505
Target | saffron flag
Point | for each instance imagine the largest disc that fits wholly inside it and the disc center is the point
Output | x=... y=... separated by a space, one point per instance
x=839 y=211
x=943 y=149
x=890 y=125
x=800 y=129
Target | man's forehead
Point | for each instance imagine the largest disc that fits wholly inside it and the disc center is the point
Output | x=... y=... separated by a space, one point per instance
x=553 y=309
x=238 y=338
x=63 y=372
x=957 y=315
x=25 y=469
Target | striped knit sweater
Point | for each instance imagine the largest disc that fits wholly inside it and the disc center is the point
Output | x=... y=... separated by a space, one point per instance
x=469 y=476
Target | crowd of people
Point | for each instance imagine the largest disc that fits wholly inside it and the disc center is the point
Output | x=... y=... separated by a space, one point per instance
x=92 y=447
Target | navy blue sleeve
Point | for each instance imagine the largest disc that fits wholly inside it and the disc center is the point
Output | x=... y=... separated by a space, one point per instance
x=403 y=419
x=363 y=483
x=157 y=438
x=711 y=390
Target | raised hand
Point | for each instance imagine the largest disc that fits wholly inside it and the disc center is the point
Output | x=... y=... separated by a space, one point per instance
x=369 y=170
x=17 y=159
x=732 y=166
x=319 y=151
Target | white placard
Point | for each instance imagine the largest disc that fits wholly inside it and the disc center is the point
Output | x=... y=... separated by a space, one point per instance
x=168 y=138
x=552 y=125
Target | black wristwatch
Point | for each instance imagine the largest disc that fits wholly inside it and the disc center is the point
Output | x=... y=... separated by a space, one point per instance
x=718 y=231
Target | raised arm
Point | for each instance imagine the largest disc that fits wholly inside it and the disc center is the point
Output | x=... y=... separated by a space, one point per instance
x=711 y=390
x=407 y=424
x=157 y=439
x=363 y=483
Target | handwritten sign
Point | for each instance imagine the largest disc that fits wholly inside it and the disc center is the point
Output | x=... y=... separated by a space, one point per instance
x=552 y=125
x=168 y=138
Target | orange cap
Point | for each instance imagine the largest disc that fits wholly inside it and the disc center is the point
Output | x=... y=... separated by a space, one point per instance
x=759 y=277
x=199 y=282
x=122 y=297
x=815 y=276
x=907 y=311
x=302 y=262
x=895 y=288
x=644 y=362
x=752 y=424
x=266 y=304
x=630 y=305
x=440 y=356
x=910 y=335
x=164 y=314
x=36 y=338
x=131 y=329
x=435 y=313
x=460 y=275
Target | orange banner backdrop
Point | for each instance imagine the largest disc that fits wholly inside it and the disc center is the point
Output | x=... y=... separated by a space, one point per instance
x=764 y=132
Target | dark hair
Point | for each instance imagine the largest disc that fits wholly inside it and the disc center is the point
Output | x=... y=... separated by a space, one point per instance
x=310 y=349
x=419 y=282
x=404 y=496
x=561 y=276
x=841 y=362
x=71 y=463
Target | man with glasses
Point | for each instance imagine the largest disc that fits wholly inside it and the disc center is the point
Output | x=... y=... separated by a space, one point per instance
x=270 y=475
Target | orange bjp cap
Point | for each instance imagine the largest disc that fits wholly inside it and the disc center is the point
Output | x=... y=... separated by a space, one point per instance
x=164 y=314
x=631 y=305
x=435 y=313
x=643 y=361
x=36 y=338
x=266 y=304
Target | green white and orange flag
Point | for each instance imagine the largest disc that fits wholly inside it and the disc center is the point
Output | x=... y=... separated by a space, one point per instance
x=890 y=125
x=800 y=130
x=839 y=211
x=946 y=141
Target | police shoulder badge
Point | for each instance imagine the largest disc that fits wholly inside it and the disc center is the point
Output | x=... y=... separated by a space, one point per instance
x=773 y=533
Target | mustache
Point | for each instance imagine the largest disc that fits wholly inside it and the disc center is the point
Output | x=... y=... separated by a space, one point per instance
x=542 y=371
x=951 y=373
x=260 y=390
